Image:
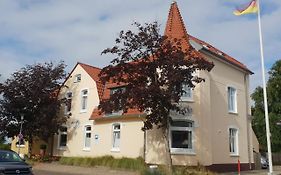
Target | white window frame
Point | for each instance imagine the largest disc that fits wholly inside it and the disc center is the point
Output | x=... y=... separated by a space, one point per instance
x=119 y=112
x=66 y=111
x=232 y=99
x=82 y=98
x=116 y=149
x=234 y=145
x=59 y=138
x=190 y=151
x=189 y=91
x=77 y=78
x=85 y=137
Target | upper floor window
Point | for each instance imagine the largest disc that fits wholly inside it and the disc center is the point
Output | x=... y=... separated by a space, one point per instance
x=87 y=137
x=68 y=97
x=232 y=102
x=77 y=78
x=84 y=99
x=62 y=136
x=113 y=91
x=233 y=141
x=116 y=132
x=20 y=142
x=181 y=136
x=187 y=95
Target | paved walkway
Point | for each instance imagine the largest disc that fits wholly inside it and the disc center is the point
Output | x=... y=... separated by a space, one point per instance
x=276 y=171
x=55 y=168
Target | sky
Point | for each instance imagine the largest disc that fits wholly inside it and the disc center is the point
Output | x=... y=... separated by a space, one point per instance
x=36 y=31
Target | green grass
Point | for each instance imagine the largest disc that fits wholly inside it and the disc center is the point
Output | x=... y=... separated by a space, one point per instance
x=132 y=164
x=107 y=161
x=5 y=146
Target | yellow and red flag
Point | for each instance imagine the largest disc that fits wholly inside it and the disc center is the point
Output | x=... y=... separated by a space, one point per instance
x=252 y=7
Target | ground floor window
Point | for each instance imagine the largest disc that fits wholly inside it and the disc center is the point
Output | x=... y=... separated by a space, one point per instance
x=233 y=141
x=116 y=136
x=181 y=136
x=62 y=136
x=87 y=137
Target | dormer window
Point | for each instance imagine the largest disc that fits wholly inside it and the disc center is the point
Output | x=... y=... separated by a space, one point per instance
x=77 y=78
x=113 y=91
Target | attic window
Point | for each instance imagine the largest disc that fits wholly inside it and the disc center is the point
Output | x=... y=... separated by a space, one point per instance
x=77 y=78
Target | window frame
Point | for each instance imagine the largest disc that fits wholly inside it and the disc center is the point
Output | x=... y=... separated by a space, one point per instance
x=66 y=111
x=232 y=99
x=77 y=78
x=22 y=145
x=82 y=110
x=189 y=151
x=113 y=148
x=85 y=137
x=119 y=112
x=59 y=138
x=186 y=88
x=236 y=141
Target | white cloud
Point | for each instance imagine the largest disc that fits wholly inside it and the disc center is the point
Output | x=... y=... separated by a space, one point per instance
x=75 y=30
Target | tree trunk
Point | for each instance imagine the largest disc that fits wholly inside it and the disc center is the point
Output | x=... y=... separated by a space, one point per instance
x=168 y=151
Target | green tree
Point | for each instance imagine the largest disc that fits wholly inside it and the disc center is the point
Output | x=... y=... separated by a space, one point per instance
x=274 y=109
x=31 y=92
x=153 y=69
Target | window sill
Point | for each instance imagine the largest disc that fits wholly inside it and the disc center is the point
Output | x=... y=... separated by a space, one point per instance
x=234 y=113
x=83 y=111
x=115 y=150
x=234 y=155
x=20 y=146
x=86 y=149
x=176 y=151
x=62 y=148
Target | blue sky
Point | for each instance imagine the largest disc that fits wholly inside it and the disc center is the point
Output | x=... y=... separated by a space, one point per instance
x=35 y=31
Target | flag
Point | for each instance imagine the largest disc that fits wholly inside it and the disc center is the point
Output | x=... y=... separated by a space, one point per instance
x=252 y=7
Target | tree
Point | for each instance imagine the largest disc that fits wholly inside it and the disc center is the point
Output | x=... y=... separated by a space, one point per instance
x=274 y=109
x=153 y=69
x=31 y=92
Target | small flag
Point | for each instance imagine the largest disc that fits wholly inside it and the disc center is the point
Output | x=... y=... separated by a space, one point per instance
x=252 y=7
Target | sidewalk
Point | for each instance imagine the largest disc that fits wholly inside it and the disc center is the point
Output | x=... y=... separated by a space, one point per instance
x=276 y=171
x=54 y=168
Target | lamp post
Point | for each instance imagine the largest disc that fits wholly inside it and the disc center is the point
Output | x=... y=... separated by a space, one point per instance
x=20 y=136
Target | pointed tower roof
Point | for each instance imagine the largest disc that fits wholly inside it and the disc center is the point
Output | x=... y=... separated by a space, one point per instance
x=175 y=26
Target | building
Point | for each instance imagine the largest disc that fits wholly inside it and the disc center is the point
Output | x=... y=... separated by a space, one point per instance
x=216 y=133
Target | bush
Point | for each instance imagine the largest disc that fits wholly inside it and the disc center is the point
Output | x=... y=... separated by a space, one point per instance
x=5 y=146
x=43 y=146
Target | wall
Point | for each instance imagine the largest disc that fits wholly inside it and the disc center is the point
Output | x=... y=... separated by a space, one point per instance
x=78 y=119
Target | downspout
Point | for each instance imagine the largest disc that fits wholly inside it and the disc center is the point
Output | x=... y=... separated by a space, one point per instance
x=248 y=121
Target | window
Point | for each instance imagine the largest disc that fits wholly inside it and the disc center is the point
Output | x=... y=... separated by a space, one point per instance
x=20 y=142
x=62 y=137
x=181 y=136
x=233 y=141
x=231 y=93
x=116 y=137
x=84 y=100
x=77 y=78
x=67 y=108
x=87 y=136
x=119 y=111
x=187 y=95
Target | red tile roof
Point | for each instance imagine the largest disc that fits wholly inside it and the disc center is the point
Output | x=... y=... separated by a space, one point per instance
x=175 y=28
x=94 y=74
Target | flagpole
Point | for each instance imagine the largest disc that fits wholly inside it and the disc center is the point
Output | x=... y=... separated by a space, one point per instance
x=265 y=95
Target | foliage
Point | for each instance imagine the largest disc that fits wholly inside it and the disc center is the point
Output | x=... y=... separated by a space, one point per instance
x=5 y=146
x=43 y=146
x=31 y=92
x=153 y=68
x=107 y=161
x=46 y=158
x=274 y=109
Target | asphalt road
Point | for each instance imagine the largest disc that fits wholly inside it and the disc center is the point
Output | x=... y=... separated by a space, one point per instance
x=43 y=172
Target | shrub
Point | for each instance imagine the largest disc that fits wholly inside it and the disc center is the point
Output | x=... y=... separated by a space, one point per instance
x=43 y=146
x=5 y=146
